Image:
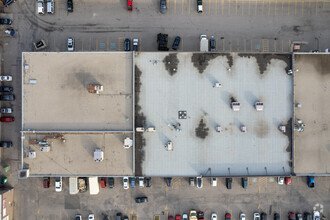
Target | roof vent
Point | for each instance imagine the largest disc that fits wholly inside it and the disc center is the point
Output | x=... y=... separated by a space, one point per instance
x=259 y=106
x=98 y=155
x=235 y=106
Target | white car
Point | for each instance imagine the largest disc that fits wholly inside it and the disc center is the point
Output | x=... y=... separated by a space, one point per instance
x=280 y=180
x=316 y=215
x=256 y=216
x=6 y=78
x=141 y=181
x=7 y=110
x=125 y=183
x=70 y=44
x=58 y=184
x=91 y=217
x=184 y=216
x=242 y=216
x=213 y=181
x=214 y=216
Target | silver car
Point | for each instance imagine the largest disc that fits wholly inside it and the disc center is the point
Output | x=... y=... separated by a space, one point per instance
x=70 y=44
x=163 y=6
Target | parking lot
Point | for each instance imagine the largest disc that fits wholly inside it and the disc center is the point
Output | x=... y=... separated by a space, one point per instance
x=238 y=26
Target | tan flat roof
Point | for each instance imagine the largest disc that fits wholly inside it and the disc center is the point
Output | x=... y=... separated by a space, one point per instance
x=75 y=157
x=312 y=91
x=59 y=100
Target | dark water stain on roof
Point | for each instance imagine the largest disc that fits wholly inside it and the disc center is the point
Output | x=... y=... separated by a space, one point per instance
x=201 y=60
x=171 y=63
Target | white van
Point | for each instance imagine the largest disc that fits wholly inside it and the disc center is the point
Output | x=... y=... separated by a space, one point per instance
x=94 y=187
x=50 y=6
x=40 y=7
x=204 y=43
x=73 y=185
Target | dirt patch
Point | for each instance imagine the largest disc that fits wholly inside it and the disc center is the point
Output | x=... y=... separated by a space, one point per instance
x=202 y=131
x=261 y=129
x=289 y=135
x=171 y=63
x=140 y=121
x=264 y=59
x=321 y=62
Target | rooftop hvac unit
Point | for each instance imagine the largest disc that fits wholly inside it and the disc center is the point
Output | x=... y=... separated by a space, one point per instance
x=128 y=143
x=243 y=128
x=139 y=129
x=95 y=88
x=44 y=148
x=98 y=155
x=32 y=154
x=23 y=174
x=282 y=128
x=235 y=106
x=218 y=128
x=217 y=85
x=169 y=146
x=151 y=129
x=259 y=106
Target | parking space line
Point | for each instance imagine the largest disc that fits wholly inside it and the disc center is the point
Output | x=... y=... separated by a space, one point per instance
x=316 y=6
x=323 y=4
x=268 y=7
x=90 y=44
x=282 y=7
x=236 y=6
x=262 y=9
x=230 y=46
x=182 y=7
x=244 y=45
x=243 y=8
x=255 y=8
x=289 y=45
x=174 y=6
x=229 y=7
x=209 y=7
x=274 y=45
x=54 y=44
x=222 y=7
x=181 y=44
x=108 y=43
x=249 y=7
x=275 y=7
x=302 y=7
x=223 y=44
x=282 y=45
x=295 y=7
x=216 y=7
x=82 y=44
x=189 y=8
x=237 y=45
x=288 y=7
x=251 y=45
x=97 y=45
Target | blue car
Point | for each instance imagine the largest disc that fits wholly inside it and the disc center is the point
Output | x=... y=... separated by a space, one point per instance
x=133 y=180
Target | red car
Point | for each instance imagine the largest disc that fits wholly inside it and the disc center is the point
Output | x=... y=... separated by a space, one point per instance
x=103 y=182
x=178 y=217
x=170 y=217
x=46 y=182
x=287 y=181
x=7 y=119
x=130 y=5
x=228 y=216
x=292 y=216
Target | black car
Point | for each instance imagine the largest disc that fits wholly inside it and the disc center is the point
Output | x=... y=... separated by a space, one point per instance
x=244 y=182
x=212 y=44
x=5 y=21
x=6 y=89
x=127 y=44
x=168 y=181
x=148 y=182
x=118 y=216
x=176 y=43
x=229 y=182
x=200 y=215
x=307 y=216
x=8 y=2
x=276 y=216
x=111 y=182
x=6 y=144
x=141 y=199
x=70 y=6
x=7 y=97
x=125 y=218
x=263 y=216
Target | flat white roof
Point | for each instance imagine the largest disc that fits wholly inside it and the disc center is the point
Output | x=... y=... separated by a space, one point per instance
x=173 y=82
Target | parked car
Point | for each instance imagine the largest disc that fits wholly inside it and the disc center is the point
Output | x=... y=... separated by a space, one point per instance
x=91 y=216
x=6 y=3
x=133 y=180
x=244 y=182
x=141 y=199
x=148 y=182
x=184 y=216
x=316 y=215
x=5 y=21
x=213 y=181
x=103 y=182
x=58 y=184
x=256 y=216
x=229 y=182
x=299 y=216
x=10 y=31
x=50 y=6
x=7 y=119
x=70 y=44
x=6 y=144
x=241 y=216
x=176 y=43
x=168 y=181
x=277 y=216
x=130 y=5
x=263 y=216
x=228 y=216
x=127 y=44
x=125 y=183
x=170 y=217
x=78 y=217
x=199 y=6
x=40 y=45
x=6 y=89
x=111 y=182
x=287 y=180
x=70 y=6
x=141 y=181
x=292 y=216
x=40 y=7
x=200 y=215
x=212 y=44
x=46 y=182
x=135 y=44
x=118 y=216
x=7 y=97
x=280 y=180
x=310 y=181
x=199 y=182
x=163 y=6
x=192 y=215
x=191 y=181
x=214 y=216
x=7 y=110
x=307 y=216
x=125 y=217
x=6 y=78
x=178 y=217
